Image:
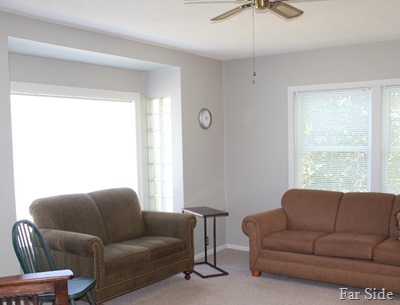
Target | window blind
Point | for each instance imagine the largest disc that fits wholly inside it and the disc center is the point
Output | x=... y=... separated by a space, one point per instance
x=332 y=139
x=391 y=140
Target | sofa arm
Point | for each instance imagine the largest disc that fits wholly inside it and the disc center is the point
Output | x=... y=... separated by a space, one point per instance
x=168 y=224
x=177 y=225
x=265 y=222
x=82 y=253
x=72 y=242
x=258 y=225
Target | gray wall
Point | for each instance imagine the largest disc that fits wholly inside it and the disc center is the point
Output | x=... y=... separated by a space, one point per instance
x=201 y=86
x=256 y=117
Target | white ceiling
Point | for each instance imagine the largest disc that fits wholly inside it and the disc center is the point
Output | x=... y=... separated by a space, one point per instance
x=187 y=27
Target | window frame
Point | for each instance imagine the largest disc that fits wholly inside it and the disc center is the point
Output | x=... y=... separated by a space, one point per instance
x=376 y=128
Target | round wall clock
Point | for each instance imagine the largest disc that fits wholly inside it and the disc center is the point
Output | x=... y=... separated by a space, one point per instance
x=205 y=118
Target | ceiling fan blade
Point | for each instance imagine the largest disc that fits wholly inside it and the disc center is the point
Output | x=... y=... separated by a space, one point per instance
x=300 y=1
x=232 y=12
x=285 y=10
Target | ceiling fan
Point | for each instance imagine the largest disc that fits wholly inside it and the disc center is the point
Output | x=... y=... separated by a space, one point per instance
x=279 y=7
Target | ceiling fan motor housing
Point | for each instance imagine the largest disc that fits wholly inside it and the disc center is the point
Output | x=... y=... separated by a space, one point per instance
x=261 y=4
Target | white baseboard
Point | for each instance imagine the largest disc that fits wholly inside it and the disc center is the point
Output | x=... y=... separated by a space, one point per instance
x=236 y=247
x=209 y=251
x=220 y=248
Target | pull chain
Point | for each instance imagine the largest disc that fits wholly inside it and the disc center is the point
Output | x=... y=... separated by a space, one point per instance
x=254 y=52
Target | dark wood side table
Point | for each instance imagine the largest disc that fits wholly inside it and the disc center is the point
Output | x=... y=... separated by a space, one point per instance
x=205 y=212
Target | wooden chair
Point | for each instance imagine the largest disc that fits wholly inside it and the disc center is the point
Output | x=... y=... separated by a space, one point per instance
x=26 y=288
x=34 y=256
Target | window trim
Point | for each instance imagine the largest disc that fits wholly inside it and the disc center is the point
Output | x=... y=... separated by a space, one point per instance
x=376 y=86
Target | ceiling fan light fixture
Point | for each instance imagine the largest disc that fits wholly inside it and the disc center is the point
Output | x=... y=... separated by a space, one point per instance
x=285 y=10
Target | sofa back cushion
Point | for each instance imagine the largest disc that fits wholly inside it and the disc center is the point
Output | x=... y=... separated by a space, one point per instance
x=311 y=209
x=121 y=213
x=365 y=213
x=72 y=212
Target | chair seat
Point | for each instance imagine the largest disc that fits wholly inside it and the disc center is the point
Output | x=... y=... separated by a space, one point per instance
x=78 y=287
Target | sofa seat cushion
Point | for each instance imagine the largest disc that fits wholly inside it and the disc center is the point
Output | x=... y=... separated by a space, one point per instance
x=122 y=262
x=158 y=246
x=292 y=240
x=348 y=245
x=388 y=252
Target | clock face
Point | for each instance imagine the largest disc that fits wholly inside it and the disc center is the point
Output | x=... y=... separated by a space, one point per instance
x=205 y=118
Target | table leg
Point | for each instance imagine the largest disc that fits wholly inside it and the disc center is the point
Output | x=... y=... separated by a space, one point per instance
x=205 y=238
x=215 y=244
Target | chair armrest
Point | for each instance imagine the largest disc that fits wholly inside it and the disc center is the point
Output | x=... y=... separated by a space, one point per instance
x=38 y=277
x=82 y=253
x=258 y=225
x=17 y=288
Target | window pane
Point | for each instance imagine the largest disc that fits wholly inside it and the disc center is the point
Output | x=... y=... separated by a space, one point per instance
x=393 y=173
x=335 y=118
x=160 y=154
x=391 y=140
x=70 y=145
x=336 y=171
x=332 y=140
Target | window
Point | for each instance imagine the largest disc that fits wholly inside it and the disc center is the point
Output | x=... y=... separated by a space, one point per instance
x=160 y=154
x=391 y=139
x=70 y=143
x=345 y=137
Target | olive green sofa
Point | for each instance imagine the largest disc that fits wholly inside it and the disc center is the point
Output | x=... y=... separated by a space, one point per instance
x=105 y=234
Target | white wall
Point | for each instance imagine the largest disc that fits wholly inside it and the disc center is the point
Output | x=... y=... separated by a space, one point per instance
x=256 y=120
x=197 y=74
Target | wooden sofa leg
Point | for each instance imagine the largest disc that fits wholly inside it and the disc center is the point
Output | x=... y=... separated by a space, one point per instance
x=188 y=273
x=255 y=273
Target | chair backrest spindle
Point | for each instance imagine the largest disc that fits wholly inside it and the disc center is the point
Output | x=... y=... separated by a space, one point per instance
x=31 y=249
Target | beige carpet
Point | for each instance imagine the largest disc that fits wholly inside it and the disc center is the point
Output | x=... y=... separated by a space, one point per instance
x=239 y=287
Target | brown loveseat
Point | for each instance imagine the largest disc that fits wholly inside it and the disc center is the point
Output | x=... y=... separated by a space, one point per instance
x=341 y=238
x=106 y=235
